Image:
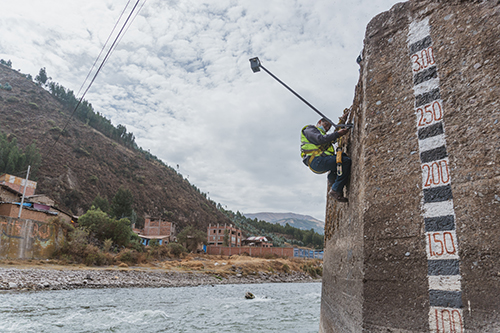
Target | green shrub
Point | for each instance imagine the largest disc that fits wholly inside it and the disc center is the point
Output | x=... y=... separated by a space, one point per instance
x=81 y=151
x=94 y=257
x=103 y=227
x=313 y=268
x=131 y=257
x=160 y=252
x=136 y=243
x=154 y=243
x=78 y=241
x=176 y=249
x=66 y=258
x=12 y=99
x=7 y=86
x=107 y=245
x=73 y=249
x=58 y=221
x=33 y=106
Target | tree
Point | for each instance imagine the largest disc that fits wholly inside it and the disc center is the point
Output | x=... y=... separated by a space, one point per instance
x=13 y=160
x=192 y=237
x=102 y=203
x=121 y=205
x=104 y=227
x=41 y=78
x=7 y=63
x=32 y=158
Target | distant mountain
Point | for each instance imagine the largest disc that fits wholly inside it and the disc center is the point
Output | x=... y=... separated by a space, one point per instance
x=304 y=222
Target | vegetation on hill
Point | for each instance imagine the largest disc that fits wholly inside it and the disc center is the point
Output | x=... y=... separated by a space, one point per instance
x=83 y=168
x=278 y=233
x=84 y=162
x=85 y=112
x=14 y=159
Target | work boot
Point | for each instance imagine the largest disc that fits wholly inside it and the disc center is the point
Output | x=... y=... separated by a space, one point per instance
x=337 y=196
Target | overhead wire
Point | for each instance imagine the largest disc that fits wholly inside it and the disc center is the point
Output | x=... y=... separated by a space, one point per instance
x=126 y=29
x=103 y=48
x=115 y=42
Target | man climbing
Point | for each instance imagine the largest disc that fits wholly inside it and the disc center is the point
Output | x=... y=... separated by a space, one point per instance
x=318 y=153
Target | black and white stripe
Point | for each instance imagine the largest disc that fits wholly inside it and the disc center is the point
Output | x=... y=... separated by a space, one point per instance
x=444 y=279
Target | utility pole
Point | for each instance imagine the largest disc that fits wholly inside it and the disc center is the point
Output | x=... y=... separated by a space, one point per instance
x=24 y=192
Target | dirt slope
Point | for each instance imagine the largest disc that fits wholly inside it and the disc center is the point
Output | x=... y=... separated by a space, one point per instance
x=84 y=163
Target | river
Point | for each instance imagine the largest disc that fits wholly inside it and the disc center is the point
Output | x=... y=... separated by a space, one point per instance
x=277 y=307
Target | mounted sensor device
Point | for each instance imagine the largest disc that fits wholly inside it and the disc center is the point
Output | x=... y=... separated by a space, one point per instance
x=256 y=65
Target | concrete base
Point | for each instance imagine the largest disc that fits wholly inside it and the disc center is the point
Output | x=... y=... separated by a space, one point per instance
x=416 y=248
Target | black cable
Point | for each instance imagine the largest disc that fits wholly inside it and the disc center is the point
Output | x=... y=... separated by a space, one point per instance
x=103 y=47
x=126 y=29
x=95 y=75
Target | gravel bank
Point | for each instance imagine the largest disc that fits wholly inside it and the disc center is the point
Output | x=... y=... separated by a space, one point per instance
x=57 y=279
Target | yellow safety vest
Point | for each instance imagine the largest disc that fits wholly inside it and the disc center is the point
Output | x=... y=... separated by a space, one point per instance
x=310 y=149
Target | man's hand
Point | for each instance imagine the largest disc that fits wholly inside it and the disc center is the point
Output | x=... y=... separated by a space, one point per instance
x=343 y=131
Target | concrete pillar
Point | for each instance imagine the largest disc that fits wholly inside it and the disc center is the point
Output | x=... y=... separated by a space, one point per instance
x=416 y=248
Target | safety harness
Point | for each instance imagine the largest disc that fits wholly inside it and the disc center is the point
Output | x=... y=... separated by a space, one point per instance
x=339 y=148
x=326 y=149
x=307 y=148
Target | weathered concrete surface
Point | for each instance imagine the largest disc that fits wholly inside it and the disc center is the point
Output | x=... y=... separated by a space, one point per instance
x=377 y=259
x=28 y=239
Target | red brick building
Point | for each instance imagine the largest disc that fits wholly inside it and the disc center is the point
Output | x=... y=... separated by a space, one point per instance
x=163 y=231
x=216 y=234
x=35 y=207
x=17 y=183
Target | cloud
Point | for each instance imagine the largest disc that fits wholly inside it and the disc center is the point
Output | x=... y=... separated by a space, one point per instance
x=180 y=80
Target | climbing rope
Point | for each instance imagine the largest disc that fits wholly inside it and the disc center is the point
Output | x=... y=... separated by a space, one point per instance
x=339 y=146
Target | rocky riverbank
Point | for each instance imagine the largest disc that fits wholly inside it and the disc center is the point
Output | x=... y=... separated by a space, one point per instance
x=115 y=277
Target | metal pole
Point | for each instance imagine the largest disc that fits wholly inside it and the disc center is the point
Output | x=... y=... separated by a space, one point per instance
x=256 y=65
x=24 y=192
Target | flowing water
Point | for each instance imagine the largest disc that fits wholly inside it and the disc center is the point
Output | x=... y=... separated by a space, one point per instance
x=277 y=307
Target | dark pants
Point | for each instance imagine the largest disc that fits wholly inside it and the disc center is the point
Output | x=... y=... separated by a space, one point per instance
x=329 y=163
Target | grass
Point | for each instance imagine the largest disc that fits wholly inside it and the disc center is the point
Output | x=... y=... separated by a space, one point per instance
x=219 y=266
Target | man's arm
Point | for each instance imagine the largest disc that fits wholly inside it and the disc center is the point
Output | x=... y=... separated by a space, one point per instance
x=314 y=135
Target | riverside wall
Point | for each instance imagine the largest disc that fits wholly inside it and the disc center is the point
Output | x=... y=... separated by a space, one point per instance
x=28 y=239
x=416 y=248
x=253 y=251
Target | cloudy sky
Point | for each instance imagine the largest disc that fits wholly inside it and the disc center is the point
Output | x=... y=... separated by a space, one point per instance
x=180 y=80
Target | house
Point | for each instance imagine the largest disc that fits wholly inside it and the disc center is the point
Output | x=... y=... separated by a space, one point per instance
x=258 y=241
x=163 y=231
x=18 y=184
x=216 y=235
x=8 y=194
x=35 y=207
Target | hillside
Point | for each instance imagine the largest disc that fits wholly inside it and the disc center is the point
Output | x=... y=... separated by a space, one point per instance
x=85 y=163
x=304 y=222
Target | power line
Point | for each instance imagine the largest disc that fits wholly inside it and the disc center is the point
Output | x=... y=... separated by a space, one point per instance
x=126 y=29
x=103 y=47
x=95 y=75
